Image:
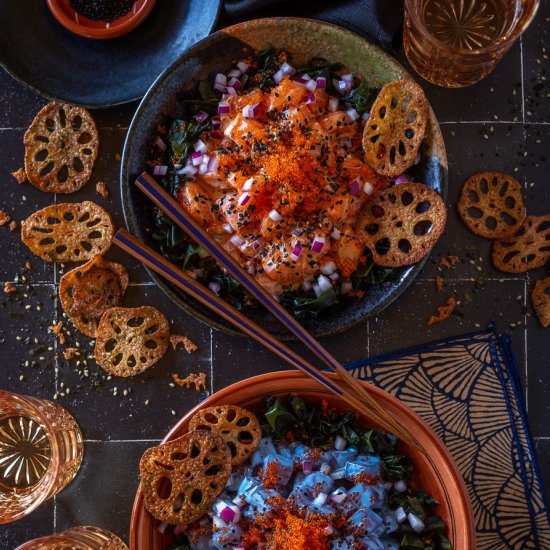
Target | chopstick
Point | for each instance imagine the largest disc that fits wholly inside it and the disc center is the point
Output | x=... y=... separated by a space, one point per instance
x=169 y=271
x=169 y=206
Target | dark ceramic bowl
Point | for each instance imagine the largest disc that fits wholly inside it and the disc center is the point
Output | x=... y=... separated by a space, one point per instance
x=305 y=39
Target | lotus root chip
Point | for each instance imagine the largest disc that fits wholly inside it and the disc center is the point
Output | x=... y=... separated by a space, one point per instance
x=540 y=298
x=395 y=128
x=61 y=147
x=182 y=478
x=88 y=291
x=528 y=248
x=401 y=224
x=238 y=427
x=130 y=340
x=68 y=232
x=491 y=204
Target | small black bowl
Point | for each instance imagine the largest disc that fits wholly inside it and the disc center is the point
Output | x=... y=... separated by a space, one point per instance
x=305 y=39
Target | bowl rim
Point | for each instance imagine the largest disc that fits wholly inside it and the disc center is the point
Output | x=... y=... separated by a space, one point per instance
x=294 y=377
x=101 y=33
x=409 y=274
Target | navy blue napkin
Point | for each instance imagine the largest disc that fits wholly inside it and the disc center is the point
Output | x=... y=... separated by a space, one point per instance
x=378 y=20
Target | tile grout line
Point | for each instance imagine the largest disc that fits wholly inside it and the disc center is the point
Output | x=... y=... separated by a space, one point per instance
x=525 y=342
x=211 y=361
x=368 y=337
x=121 y=440
x=522 y=82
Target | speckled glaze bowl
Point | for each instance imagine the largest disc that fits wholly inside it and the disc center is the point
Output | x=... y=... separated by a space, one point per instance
x=305 y=39
x=434 y=468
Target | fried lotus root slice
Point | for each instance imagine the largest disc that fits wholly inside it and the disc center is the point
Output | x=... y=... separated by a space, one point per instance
x=68 y=232
x=238 y=427
x=182 y=478
x=540 y=298
x=401 y=224
x=88 y=291
x=61 y=148
x=528 y=248
x=395 y=128
x=130 y=340
x=491 y=205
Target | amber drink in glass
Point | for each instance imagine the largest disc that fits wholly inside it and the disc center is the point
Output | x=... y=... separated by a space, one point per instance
x=456 y=43
x=40 y=453
x=77 y=538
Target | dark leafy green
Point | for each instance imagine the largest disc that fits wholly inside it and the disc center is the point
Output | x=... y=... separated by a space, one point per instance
x=362 y=97
x=181 y=137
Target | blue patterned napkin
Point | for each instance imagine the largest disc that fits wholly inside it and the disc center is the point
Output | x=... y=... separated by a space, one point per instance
x=468 y=390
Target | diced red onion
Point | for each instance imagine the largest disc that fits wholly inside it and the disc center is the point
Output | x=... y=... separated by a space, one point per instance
x=278 y=76
x=243 y=67
x=400 y=486
x=310 y=98
x=403 y=178
x=340 y=443
x=220 y=79
x=320 y=499
x=237 y=240
x=203 y=168
x=200 y=116
x=256 y=244
x=342 y=86
x=306 y=285
x=234 y=73
x=219 y=522
x=302 y=79
x=336 y=234
x=334 y=276
x=296 y=251
x=275 y=216
x=227 y=228
x=339 y=495
x=353 y=114
x=355 y=186
x=160 y=170
x=162 y=527
x=243 y=199
x=347 y=77
x=251 y=111
x=228 y=514
x=328 y=530
x=333 y=104
x=318 y=243
x=287 y=69
x=400 y=515
x=307 y=466
x=324 y=283
x=328 y=268
x=366 y=116
x=247 y=186
x=368 y=188
x=234 y=83
x=214 y=287
x=216 y=120
x=196 y=158
x=338 y=474
x=223 y=108
x=200 y=146
x=311 y=85
x=189 y=170
x=317 y=290
x=178 y=166
x=325 y=468
x=231 y=91
x=213 y=164
x=159 y=143
x=346 y=287
x=220 y=88
x=321 y=82
x=416 y=523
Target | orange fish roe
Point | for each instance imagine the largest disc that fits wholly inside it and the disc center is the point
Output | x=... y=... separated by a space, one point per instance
x=286 y=527
x=270 y=476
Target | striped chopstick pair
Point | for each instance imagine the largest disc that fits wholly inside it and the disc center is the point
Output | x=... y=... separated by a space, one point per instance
x=347 y=387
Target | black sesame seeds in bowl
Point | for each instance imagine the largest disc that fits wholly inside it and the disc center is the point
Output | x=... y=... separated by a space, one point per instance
x=100 y=19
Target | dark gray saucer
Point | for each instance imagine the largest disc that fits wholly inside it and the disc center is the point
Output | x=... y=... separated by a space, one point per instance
x=305 y=38
x=54 y=62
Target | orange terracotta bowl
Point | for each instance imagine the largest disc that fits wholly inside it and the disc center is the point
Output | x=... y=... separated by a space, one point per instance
x=99 y=30
x=434 y=469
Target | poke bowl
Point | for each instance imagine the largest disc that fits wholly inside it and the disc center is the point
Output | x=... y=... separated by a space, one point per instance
x=162 y=124
x=434 y=471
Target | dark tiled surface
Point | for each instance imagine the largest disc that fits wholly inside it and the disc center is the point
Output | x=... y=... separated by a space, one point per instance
x=117 y=427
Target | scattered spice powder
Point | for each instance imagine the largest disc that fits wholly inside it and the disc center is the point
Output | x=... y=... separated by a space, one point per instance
x=439 y=283
x=9 y=288
x=101 y=188
x=28 y=265
x=20 y=175
x=58 y=331
x=176 y=339
x=449 y=261
x=198 y=379
x=118 y=157
x=4 y=218
x=13 y=225
x=70 y=353
x=443 y=312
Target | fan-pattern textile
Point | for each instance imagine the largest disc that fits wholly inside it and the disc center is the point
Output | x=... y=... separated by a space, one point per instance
x=468 y=390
